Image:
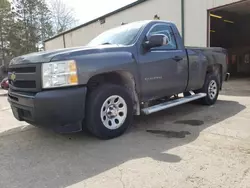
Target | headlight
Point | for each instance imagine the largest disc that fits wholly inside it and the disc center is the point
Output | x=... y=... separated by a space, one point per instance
x=59 y=74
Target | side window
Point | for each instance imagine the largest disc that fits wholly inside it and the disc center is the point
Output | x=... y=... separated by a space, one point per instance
x=165 y=30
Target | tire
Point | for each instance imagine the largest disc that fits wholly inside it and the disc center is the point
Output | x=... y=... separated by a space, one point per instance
x=109 y=103
x=211 y=87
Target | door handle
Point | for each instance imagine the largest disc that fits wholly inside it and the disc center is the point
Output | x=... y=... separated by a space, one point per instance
x=177 y=58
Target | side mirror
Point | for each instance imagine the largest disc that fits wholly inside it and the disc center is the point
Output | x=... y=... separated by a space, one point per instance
x=156 y=40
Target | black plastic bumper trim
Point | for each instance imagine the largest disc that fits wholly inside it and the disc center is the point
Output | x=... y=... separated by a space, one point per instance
x=50 y=108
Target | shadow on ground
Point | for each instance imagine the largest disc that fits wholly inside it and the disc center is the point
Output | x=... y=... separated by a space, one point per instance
x=39 y=158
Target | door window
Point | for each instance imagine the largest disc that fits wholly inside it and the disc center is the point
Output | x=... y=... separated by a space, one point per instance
x=167 y=31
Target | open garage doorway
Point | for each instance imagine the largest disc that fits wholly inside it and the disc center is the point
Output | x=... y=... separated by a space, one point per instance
x=230 y=28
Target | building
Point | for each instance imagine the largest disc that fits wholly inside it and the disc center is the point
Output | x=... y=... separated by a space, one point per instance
x=202 y=23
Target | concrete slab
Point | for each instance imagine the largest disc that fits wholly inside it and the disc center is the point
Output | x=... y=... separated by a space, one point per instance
x=166 y=149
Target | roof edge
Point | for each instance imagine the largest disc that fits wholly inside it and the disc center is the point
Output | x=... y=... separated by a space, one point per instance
x=96 y=19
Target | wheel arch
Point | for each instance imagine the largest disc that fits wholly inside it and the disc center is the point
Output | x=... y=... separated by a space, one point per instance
x=123 y=78
x=217 y=70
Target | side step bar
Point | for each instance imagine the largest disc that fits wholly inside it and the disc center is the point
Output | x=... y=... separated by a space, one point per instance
x=172 y=103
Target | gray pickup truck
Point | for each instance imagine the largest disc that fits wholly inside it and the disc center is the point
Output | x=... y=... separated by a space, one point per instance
x=137 y=68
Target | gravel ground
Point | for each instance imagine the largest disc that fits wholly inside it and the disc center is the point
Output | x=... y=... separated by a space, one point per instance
x=187 y=146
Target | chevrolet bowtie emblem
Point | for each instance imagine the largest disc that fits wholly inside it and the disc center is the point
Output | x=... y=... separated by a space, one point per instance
x=13 y=76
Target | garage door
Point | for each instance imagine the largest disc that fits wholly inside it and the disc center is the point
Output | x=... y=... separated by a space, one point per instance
x=229 y=27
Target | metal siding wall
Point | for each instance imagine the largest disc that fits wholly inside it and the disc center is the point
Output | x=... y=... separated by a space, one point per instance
x=167 y=10
x=196 y=20
x=54 y=44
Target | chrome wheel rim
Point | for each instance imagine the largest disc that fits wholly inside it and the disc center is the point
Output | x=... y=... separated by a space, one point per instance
x=113 y=112
x=212 y=89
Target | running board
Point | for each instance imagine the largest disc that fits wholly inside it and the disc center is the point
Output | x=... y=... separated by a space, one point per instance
x=172 y=103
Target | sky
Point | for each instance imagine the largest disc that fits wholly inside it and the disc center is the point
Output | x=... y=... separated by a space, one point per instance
x=86 y=10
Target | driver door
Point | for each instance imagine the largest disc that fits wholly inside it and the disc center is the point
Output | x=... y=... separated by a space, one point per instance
x=164 y=69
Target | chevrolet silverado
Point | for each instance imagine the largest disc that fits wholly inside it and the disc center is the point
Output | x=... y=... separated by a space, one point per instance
x=133 y=69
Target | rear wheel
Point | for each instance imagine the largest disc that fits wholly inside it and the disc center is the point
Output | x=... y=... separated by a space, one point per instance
x=211 y=87
x=109 y=111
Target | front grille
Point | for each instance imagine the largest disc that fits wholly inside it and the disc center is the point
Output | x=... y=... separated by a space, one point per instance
x=25 y=78
x=24 y=84
x=23 y=70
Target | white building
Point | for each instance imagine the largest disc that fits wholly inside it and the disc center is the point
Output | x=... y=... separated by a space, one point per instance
x=224 y=23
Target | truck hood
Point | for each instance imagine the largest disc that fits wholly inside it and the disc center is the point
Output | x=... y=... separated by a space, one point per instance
x=60 y=54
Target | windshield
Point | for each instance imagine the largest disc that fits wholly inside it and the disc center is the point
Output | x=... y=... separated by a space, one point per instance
x=123 y=35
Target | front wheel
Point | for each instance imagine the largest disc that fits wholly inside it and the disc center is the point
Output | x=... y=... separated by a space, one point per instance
x=109 y=111
x=211 y=87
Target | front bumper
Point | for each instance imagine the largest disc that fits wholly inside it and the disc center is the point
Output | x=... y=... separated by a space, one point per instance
x=62 y=109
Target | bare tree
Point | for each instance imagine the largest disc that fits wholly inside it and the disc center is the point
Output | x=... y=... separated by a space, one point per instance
x=62 y=16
